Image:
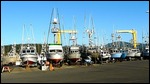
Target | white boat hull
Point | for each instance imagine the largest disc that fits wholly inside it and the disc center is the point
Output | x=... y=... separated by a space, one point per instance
x=29 y=58
x=74 y=56
x=55 y=53
x=131 y=54
x=104 y=56
x=137 y=54
x=55 y=57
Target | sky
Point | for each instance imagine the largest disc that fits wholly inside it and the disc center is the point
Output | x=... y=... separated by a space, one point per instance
x=108 y=16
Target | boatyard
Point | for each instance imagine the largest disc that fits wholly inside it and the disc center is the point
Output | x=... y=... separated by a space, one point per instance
x=120 y=72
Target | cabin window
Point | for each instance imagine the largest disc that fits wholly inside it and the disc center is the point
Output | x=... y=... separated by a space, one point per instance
x=28 y=51
x=23 y=51
x=59 y=50
x=76 y=51
x=52 y=50
x=32 y=51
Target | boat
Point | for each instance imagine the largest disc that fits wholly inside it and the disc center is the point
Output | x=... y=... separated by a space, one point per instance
x=74 y=51
x=91 y=49
x=133 y=53
x=28 y=52
x=123 y=48
x=74 y=54
x=124 y=53
x=11 y=57
x=114 y=50
x=115 y=53
x=145 y=53
x=138 y=53
x=29 y=55
x=105 y=55
x=55 y=53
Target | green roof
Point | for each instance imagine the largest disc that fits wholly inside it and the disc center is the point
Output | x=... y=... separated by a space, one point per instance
x=55 y=44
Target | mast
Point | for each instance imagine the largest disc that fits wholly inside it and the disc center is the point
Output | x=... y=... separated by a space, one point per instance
x=112 y=35
x=33 y=39
x=63 y=30
x=50 y=25
x=83 y=37
x=23 y=35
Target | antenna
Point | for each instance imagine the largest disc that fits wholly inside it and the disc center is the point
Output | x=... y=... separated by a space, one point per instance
x=23 y=34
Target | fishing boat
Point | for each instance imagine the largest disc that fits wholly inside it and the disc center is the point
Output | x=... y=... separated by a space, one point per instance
x=124 y=53
x=105 y=55
x=115 y=53
x=28 y=55
x=145 y=53
x=55 y=53
x=28 y=51
x=74 y=51
x=114 y=50
x=104 y=52
x=12 y=56
x=91 y=49
x=138 y=54
x=123 y=49
x=131 y=53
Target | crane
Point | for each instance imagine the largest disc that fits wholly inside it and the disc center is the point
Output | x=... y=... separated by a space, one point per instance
x=134 y=35
x=58 y=34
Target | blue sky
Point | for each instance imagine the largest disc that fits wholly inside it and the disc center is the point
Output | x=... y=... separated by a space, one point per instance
x=107 y=15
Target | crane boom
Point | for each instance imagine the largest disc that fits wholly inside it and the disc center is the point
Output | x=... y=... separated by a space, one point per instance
x=68 y=31
x=134 y=35
x=64 y=31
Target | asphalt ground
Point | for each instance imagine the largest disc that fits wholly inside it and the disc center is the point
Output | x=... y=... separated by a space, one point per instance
x=119 y=72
